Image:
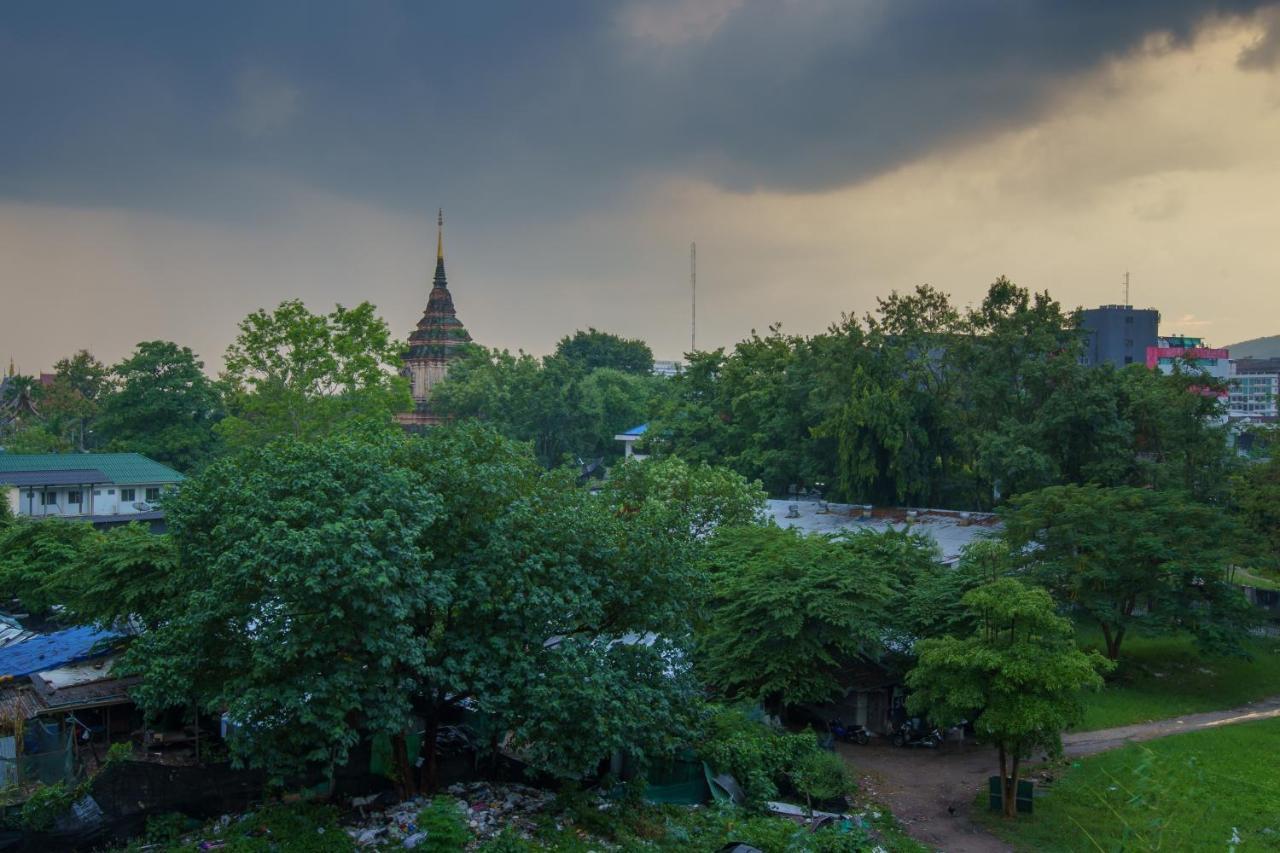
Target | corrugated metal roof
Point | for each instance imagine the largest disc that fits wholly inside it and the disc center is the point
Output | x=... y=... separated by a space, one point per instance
x=11 y=632
x=124 y=468
x=53 y=650
x=72 y=477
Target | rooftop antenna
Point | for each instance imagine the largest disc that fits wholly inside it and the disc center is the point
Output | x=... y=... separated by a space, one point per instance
x=693 y=292
x=1126 y=288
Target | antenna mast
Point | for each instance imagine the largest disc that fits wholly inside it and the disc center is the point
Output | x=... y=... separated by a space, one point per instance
x=1126 y=288
x=693 y=292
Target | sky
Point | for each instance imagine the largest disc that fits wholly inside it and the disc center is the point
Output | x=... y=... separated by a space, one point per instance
x=168 y=167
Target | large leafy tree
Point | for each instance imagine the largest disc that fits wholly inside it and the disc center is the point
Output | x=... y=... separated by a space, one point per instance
x=1256 y=499
x=325 y=590
x=72 y=402
x=35 y=556
x=560 y=406
x=294 y=373
x=1019 y=668
x=1133 y=559
x=593 y=349
x=701 y=497
x=566 y=610
x=299 y=569
x=164 y=407
x=790 y=612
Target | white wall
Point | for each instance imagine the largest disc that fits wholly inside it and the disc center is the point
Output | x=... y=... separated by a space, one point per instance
x=107 y=499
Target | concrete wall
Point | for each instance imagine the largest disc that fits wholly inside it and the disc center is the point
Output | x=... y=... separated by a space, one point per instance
x=103 y=499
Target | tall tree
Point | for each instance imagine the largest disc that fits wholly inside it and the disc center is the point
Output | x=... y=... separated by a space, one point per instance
x=1133 y=559
x=164 y=407
x=34 y=560
x=593 y=349
x=299 y=569
x=71 y=403
x=1256 y=499
x=789 y=612
x=561 y=408
x=701 y=497
x=1020 y=668
x=324 y=590
x=294 y=373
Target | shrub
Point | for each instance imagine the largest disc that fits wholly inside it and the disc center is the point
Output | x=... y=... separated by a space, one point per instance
x=445 y=827
x=167 y=828
x=758 y=757
x=119 y=752
x=45 y=805
x=821 y=776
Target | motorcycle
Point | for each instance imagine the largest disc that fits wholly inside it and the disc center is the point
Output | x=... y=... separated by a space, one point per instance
x=854 y=733
x=917 y=735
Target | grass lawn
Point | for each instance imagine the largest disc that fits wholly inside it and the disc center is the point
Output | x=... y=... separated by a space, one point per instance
x=1160 y=677
x=1259 y=580
x=1186 y=792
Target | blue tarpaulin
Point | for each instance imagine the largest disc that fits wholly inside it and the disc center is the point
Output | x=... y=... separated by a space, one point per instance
x=50 y=651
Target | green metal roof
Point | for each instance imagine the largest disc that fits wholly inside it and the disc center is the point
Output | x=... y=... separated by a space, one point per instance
x=122 y=468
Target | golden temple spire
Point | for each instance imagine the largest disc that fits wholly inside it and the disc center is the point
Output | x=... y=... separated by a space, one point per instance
x=440 y=235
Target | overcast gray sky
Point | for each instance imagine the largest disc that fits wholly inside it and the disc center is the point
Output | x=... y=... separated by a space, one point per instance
x=168 y=167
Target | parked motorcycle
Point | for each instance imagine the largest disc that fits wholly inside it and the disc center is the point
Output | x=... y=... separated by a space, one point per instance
x=854 y=733
x=908 y=734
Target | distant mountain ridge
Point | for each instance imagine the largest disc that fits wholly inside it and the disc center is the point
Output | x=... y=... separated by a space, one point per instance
x=1268 y=347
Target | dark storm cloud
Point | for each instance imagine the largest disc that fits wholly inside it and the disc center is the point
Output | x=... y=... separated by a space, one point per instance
x=520 y=106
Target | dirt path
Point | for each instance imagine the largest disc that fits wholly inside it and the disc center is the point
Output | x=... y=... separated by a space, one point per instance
x=931 y=790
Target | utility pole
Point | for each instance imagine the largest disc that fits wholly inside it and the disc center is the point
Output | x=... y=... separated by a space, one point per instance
x=693 y=293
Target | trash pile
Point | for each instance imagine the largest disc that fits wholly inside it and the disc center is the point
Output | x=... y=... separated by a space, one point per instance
x=488 y=810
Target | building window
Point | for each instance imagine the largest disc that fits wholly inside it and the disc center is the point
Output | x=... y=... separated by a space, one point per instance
x=49 y=499
x=111 y=491
x=1128 y=359
x=153 y=494
x=1129 y=319
x=126 y=494
x=74 y=496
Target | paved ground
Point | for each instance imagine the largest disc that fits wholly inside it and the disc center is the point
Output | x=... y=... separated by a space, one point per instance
x=931 y=790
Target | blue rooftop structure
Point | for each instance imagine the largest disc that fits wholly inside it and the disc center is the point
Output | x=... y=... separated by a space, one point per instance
x=629 y=438
x=51 y=651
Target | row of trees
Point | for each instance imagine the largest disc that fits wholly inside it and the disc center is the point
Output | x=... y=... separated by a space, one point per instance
x=322 y=590
x=289 y=372
x=292 y=372
x=924 y=403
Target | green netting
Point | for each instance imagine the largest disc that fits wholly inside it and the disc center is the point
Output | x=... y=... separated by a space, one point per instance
x=681 y=781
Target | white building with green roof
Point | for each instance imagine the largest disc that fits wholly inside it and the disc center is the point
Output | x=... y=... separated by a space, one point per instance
x=102 y=488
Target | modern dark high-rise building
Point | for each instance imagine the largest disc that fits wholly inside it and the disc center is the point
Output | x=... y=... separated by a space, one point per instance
x=1119 y=334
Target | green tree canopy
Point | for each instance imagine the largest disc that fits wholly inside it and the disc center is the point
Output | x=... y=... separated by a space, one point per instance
x=562 y=408
x=1256 y=499
x=324 y=590
x=1133 y=560
x=700 y=497
x=593 y=349
x=294 y=373
x=164 y=407
x=35 y=556
x=790 y=612
x=299 y=570
x=1019 y=670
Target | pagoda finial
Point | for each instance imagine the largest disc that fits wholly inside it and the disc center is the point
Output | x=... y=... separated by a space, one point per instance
x=440 y=235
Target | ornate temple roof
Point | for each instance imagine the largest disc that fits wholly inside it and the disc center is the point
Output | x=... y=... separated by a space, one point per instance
x=440 y=333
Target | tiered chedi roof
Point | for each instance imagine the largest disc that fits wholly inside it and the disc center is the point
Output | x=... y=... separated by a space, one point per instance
x=436 y=342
